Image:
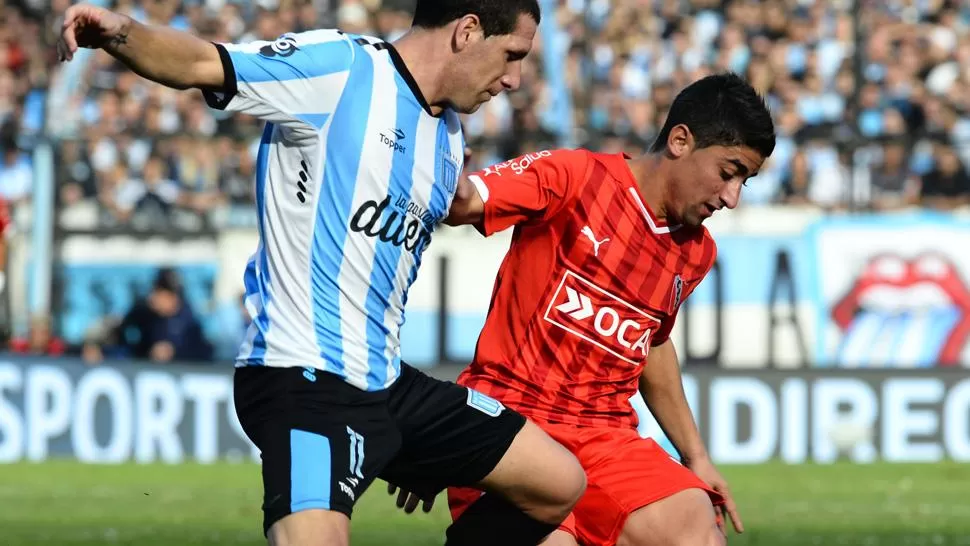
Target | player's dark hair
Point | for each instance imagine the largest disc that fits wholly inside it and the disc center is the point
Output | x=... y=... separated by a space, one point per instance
x=497 y=16
x=721 y=110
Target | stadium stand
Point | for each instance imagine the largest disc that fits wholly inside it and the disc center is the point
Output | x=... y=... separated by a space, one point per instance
x=879 y=121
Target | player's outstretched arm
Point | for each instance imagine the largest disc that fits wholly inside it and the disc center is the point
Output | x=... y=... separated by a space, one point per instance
x=167 y=56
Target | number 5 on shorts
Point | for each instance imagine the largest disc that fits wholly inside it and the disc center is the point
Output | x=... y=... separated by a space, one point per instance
x=484 y=403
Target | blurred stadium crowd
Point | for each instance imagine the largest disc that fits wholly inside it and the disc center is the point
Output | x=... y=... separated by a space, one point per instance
x=872 y=120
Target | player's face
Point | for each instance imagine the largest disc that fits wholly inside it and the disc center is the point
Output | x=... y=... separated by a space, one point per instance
x=708 y=180
x=489 y=66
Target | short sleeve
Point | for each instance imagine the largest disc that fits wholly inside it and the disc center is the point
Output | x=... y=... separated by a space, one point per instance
x=666 y=326
x=529 y=189
x=298 y=78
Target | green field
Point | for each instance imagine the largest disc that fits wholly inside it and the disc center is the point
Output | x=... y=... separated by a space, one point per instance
x=72 y=504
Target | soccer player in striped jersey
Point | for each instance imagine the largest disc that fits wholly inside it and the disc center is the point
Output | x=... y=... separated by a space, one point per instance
x=605 y=250
x=358 y=163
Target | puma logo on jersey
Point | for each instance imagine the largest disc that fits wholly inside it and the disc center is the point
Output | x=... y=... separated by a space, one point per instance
x=596 y=244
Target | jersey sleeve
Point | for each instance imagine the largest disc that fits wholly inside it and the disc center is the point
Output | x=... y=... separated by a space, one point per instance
x=296 y=79
x=528 y=189
x=666 y=326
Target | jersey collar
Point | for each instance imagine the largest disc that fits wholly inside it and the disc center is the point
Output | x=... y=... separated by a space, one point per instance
x=406 y=74
x=620 y=170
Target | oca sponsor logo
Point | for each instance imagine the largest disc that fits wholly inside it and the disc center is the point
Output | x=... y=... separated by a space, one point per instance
x=601 y=318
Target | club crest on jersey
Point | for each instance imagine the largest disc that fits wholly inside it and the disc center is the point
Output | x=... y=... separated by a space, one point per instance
x=676 y=293
x=449 y=173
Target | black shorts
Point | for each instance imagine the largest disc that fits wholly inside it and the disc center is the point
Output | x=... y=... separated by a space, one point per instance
x=323 y=441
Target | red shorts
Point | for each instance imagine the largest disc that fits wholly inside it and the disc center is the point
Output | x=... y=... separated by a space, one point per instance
x=624 y=472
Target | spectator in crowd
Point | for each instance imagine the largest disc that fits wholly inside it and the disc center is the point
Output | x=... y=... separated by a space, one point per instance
x=162 y=327
x=947 y=185
x=893 y=184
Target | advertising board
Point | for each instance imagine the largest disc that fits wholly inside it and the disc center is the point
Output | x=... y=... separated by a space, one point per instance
x=174 y=413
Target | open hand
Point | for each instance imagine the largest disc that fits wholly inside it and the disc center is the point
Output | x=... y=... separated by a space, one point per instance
x=408 y=500
x=704 y=469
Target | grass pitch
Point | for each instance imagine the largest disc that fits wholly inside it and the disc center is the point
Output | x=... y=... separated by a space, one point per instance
x=65 y=503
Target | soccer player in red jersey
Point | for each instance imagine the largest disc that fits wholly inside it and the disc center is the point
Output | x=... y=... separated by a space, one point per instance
x=605 y=250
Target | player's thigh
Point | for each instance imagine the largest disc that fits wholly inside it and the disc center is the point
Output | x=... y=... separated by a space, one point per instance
x=628 y=477
x=453 y=436
x=322 y=443
x=685 y=518
x=538 y=474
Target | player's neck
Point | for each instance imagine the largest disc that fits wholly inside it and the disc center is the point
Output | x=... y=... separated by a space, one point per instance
x=650 y=172
x=421 y=52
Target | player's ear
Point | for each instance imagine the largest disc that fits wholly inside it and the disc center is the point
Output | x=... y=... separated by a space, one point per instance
x=680 y=141
x=468 y=30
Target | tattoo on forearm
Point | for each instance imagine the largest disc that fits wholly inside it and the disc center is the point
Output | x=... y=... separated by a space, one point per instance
x=119 y=40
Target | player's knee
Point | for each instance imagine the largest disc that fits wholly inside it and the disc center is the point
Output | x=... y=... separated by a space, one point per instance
x=311 y=528
x=700 y=535
x=715 y=537
x=565 y=492
x=684 y=519
x=565 y=483
x=695 y=535
x=572 y=486
x=539 y=475
x=702 y=530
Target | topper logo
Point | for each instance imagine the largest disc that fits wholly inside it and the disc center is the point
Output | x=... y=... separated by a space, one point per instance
x=601 y=318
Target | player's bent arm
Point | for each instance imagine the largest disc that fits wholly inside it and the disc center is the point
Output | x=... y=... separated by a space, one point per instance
x=167 y=56
x=531 y=188
x=662 y=388
x=468 y=207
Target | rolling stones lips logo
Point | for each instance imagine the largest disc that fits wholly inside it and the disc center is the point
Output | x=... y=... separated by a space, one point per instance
x=904 y=313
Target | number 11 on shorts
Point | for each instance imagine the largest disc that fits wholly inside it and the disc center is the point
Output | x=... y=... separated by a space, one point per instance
x=356 y=453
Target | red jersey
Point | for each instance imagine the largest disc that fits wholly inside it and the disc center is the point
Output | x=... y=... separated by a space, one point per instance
x=591 y=281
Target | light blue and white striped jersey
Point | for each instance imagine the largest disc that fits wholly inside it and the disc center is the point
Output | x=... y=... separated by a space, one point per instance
x=353 y=175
